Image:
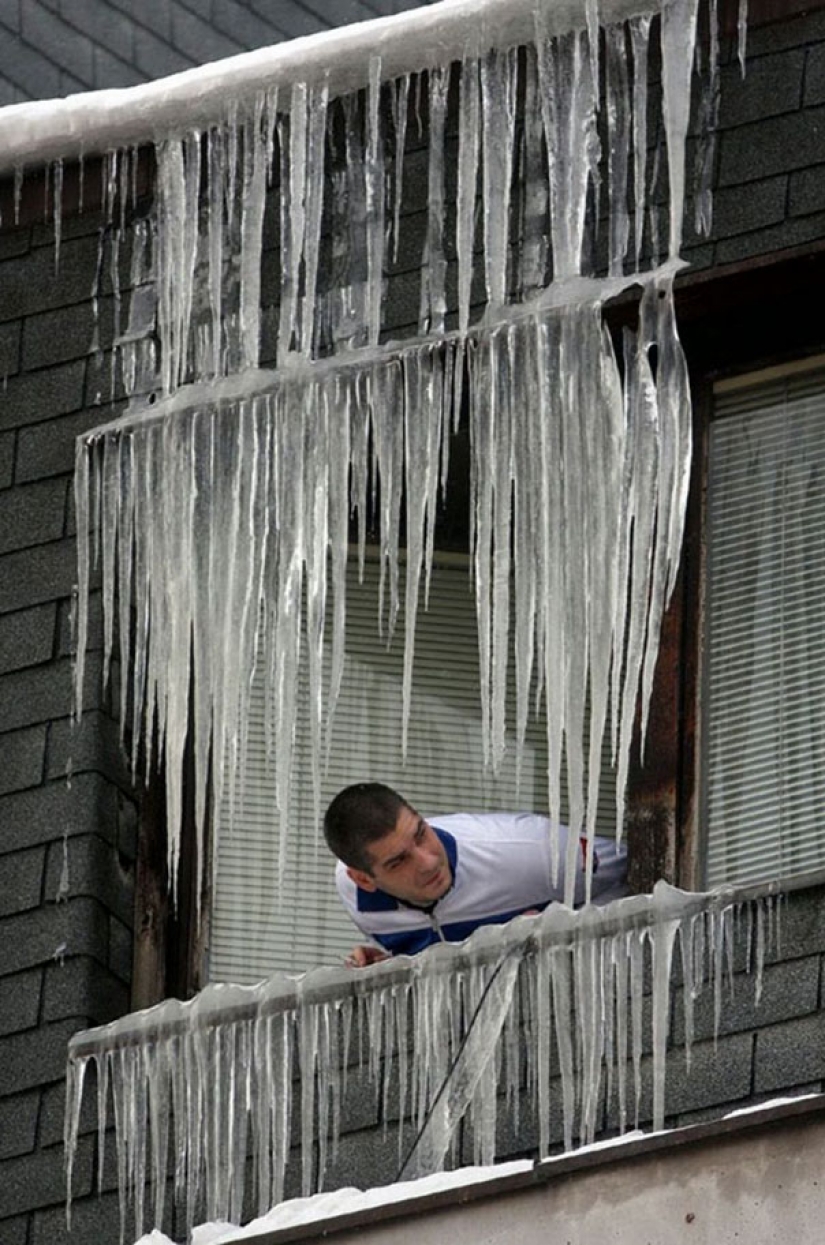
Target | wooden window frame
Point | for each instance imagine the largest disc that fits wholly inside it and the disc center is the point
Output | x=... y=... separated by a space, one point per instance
x=732 y=320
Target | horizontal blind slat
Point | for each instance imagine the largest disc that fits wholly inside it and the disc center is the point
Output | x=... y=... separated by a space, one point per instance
x=251 y=935
x=764 y=697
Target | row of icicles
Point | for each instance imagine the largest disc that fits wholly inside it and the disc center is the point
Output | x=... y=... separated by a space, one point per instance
x=570 y=1009
x=219 y=517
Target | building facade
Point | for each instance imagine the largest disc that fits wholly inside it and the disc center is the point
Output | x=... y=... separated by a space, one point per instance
x=87 y=930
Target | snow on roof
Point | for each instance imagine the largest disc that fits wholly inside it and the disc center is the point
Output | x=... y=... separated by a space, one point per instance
x=37 y=132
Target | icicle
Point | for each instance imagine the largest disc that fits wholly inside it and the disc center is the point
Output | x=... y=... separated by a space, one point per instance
x=760 y=952
x=355 y=223
x=252 y=214
x=178 y=190
x=506 y=410
x=19 y=173
x=109 y=524
x=707 y=126
x=114 y=272
x=640 y=39
x=375 y=203
x=285 y=627
x=469 y=123
x=635 y=940
x=316 y=525
x=742 y=35
x=338 y=428
x=687 y=930
x=534 y=197
x=577 y=399
x=551 y=635
x=482 y=440
x=498 y=106
x=316 y=171
x=605 y=448
x=76 y=1074
x=57 y=210
x=357 y=414
x=590 y=1026
x=422 y=438
x=619 y=123
x=678 y=34
x=569 y=111
x=293 y=218
x=143 y=560
x=717 y=952
x=215 y=230
x=643 y=451
x=620 y=960
x=401 y=107
x=562 y=985
x=528 y=416
x=663 y=936
x=434 y=266
x=84 y=523
x=157 y=1075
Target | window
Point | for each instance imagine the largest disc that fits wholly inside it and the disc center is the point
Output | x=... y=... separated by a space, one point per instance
x=763 y=785
x=254 y=929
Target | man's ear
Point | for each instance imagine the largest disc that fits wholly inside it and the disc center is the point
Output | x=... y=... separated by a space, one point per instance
x=365 y=880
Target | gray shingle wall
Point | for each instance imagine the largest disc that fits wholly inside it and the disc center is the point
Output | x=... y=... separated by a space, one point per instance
x=63 y=964
x=769 y=169
x=58 y=47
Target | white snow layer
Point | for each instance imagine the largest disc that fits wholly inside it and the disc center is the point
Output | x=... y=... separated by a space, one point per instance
x=569 y=1006
x=39 y=131
x=220 y=516
x=325 y=1206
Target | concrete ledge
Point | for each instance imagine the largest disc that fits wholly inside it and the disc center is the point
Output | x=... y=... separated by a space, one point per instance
x=735 y=1177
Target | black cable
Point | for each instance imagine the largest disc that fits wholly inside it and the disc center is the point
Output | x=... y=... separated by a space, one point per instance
x=456 y=1057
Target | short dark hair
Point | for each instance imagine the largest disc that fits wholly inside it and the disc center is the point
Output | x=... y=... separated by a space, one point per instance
x=360 y=815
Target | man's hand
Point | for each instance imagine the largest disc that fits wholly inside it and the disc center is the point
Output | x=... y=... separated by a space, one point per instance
x=361 y=957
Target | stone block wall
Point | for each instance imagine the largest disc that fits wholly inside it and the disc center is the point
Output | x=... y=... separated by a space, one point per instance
x=770 y=173
x=67 y=813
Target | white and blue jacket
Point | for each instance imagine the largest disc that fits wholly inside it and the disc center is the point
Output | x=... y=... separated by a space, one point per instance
x=501 y=867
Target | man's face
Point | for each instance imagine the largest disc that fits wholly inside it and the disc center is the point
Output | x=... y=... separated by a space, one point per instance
x=409 y=862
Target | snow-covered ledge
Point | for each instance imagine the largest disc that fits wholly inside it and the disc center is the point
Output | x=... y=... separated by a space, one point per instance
x=613 y=1190
x=38 y=132
x=440 y=1029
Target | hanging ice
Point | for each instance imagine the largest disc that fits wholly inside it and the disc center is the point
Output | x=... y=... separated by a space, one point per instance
x=220 y=517
x=223 y=506
x=444 y=1032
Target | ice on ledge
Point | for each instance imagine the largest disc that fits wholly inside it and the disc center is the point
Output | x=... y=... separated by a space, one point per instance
x=237 y=1057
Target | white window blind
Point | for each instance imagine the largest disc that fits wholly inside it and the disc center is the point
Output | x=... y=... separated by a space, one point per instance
x=254 y=931
x=763 y=772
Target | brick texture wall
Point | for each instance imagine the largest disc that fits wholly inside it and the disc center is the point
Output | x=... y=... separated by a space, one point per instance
x=769 y=177
x=65 y=962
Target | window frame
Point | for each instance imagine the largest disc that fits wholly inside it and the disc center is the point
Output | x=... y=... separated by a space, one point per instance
x=733 y=321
